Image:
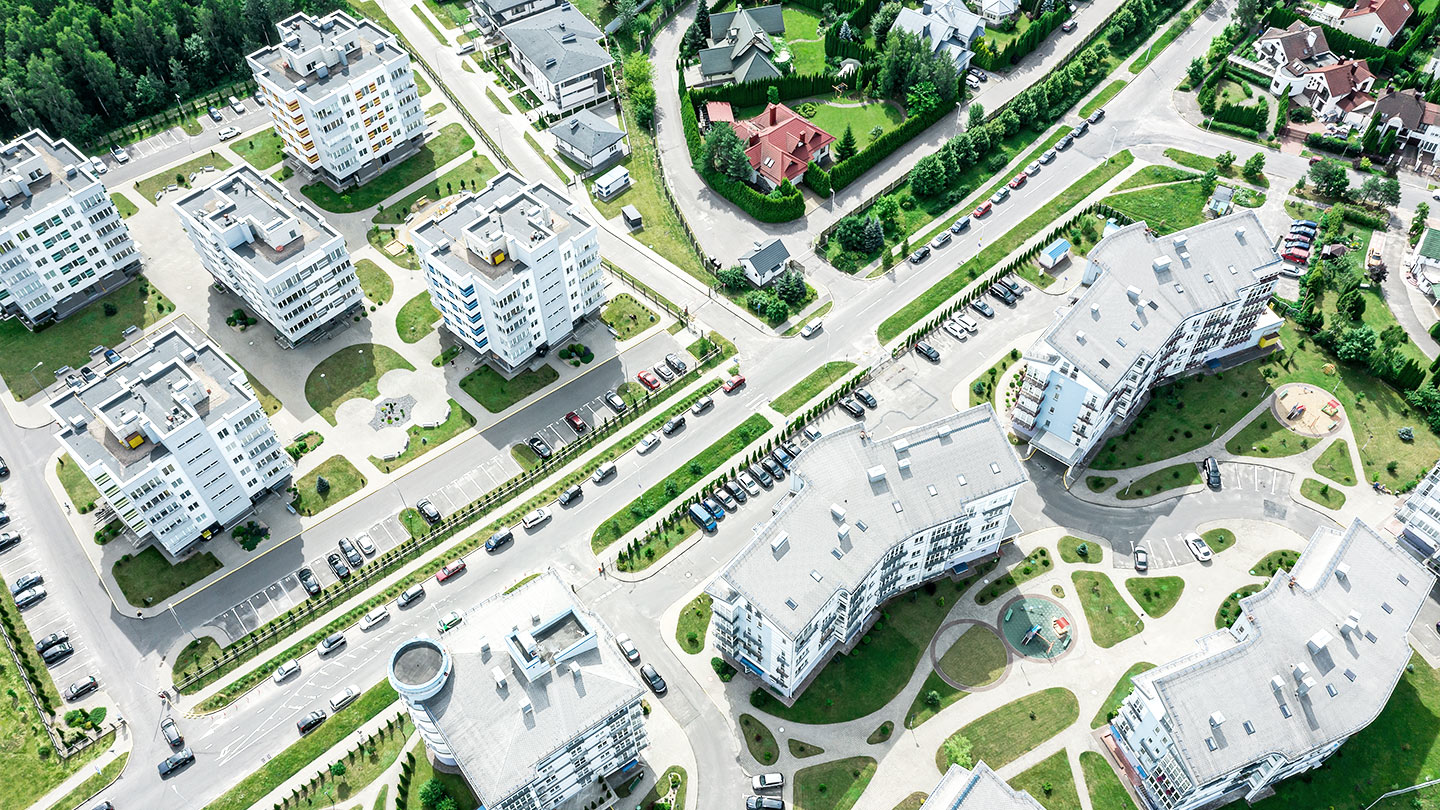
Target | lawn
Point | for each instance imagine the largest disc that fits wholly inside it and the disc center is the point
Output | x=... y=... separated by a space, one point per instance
x=520 y=583
x=83 y=494
x=450 y=14
x=861 y=118
x=627 y=316
x=68 y=342
x=417 y=318
x=1335 y=463
x=662 y=788
x=425 y=439
x=759 y=740
x=914 y=801
x=472 y=174
x=1266 y=437
x=800 y=23
x=983 y=389
x=663 y=231
x=1322 y=493
x=1102 y=97
x=524 y=456
x=1219 y=539
x=1118 y=694
x=93 y=783
x=1156 y=595
x=261 y=150
x=694 y=624
x=495 y=393
x=1051 y=782
x=833 y=785
x=1037 y=563
x=1200 y=163
x=1156 y=175
x=268 y=401
x=977 y=658
x=1109 y=617
x=1070 y=550
x=1229 y=609
x=803 y=750
x=148 y=578
x=1184 y=416
x=344 y=481
x=1007 y=733
x=374 y=281
x=810 y=387
x=455 y=784
x=1162 y=480
x=881 y=733
x=1100 y=483
x=1165 y=208
x=179 y=175
x=1106 y=792
x=451 y=142
x=123 y=206
x=1171 y=34
x=351 y=372
x=435 y=32
x=1282 y=560
x=198 y=653
x=922 y=710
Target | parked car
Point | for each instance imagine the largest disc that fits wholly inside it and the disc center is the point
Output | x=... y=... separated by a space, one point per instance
x=308 y=581
x=1198 y=547
x=982 y=308
x=57 y=653
x=773 y=467
x=764 y=803
x=450 y=620
x=1018 y=180
x=576 y=423
x=366 y=546
x=1212 y=472
x=953 y=330
x=737 y=491
x=409 y=595
x=1068 y=26
x=1142 y=559
x=50 y=641
x=175 y=762
x=1298 y=255
x=428 y=511
x=1000 y=196
x=171 y=732
x=226 y=133
x=811 y=329
x=603 y=471
x=1033 y=169
x=373 y=618
x=673 y=361
x=673 y=424
x=648 y=379
x=960 y=225
x=1307 y=222
x=920 y=255
x=966 y=324
x=761 y=475
x=569 y=495
x=540 y=447
x=979 y=74
x=120 y=155
x=767 y=781
x=732 y=383
x=465 y=47
x=747 y=483
x=972 y=82
x=98 y=165
x=214 y=114
x=1096 y=116
x=714 y=508
x=352 y=554
x=30 y=597
x=664 y=371
x=237 y=105
x=112 y=356
x=1013 y=286
x=81 y=688
x=1080 y=129
x=702 y=405
x=337 y=566
x=852 y=407
x=286 y=671
x=331 y=643
x=25 y=583
x=535 y=518
x=726 y=500
x=344 y=698
x=449 y=570
x=702 y=517
x=982 y=209
x=627 y=648
x=1047 y=156
x=615 y=402
x=1002 y=294
x=310 y=722
x=927 y=351
x=1065 y=141
x=867 y=398
x=941 y=240
x=648 y=443
x=652 y=679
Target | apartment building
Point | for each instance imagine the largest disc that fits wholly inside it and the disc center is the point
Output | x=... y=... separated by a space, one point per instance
x=1155 y=308
x=1418 y=517
x=277 y=254
x=512 y=269
x=561 y=56
x=174 y=439
x=528 y=698
x=343 y=97
x=62 y=243
x=865 y=520
x=977 y=789
x=1311 y=661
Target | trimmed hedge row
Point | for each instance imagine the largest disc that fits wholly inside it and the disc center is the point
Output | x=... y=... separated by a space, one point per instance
x=1233 y=129
x=818 y=179
x=1346 y=44
x=844 y=173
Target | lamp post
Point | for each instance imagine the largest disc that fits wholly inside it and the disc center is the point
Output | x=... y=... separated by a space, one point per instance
x=38 y=364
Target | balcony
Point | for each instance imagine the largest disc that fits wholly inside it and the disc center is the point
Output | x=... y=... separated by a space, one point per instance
x=1027 y=407
x=1023 y=419
x=1027 y=392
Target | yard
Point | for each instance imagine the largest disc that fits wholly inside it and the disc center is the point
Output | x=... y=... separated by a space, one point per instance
x=82 y=493
x=374 y=281
x=810 y=387
x=417 y=318
x=342 y=480
x=1267 y=437
x=1051 y=782
x=495 y=393
x=1106 y=792
x=261 y=150
x=1229 y=609
x=351 y=372
x=627 y=316
x=472 y=174
x=1282 y=560
x=833 y=115
x=179 y=175
x=1335 y=463
x=123 y=206
x=1109 y=617
x=977 y=658
x=1118 y=694
x=983 y=389
x=1183 y=416
x=833 y=785
x=1156 y=175
x=1322 y=493
x=451 y=142
x=1070 y=550
x=693 y=624
x=148 y=578
x=1166 y=208
x=1162 y=480
x=1037 y=563
x=425 y=439
x=1156 y=595
x=1007 y=733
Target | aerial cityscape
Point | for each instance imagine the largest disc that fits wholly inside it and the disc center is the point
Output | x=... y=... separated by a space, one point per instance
x=803 y=405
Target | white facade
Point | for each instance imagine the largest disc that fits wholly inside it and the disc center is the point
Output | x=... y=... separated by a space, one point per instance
x=62 y=243
x=276 y=253
x=174 y=439
x=1419 y=517
x=342 y=95
x=511 y=269
x=1155 y=309
x=865 y=521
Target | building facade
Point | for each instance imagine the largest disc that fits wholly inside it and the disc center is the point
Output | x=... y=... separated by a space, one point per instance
x=174 y=439
x=1375 y=21
x=1419 y=518
x=62 y=243
x=589 y=140
x=529 y=698
x=1156 y=308
x=512 y=269
x=1310 y=662
x=865 y=520
x=561 y=57
x=1415 y=121
x=343 y=97
x=273 y=251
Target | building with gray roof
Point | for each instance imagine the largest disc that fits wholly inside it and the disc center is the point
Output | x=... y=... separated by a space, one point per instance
x=1154 y=308
x=561 y=56
x=174 y=439
x=495 y=14
x=589 y=140
x=865 y=520
x=976 y=789
x=1419 y=517
x=949 y=26
x=1310 y=662
x=765 y=261
x=740 y=49
x=529 y=698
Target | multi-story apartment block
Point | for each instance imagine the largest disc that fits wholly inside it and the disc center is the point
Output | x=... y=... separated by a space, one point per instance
x=1419 y=518
x=561 y=56
x=1311 y=661
x=865 y=520
x=273 y=251
x=174 y=439
x=511 y=269
x=977 y=789
x=529 y=698
x=62 y=243
x=1157 y=307
x=343 y=97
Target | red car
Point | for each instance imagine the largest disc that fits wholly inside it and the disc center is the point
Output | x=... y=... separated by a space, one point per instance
x=1296 y=254
x=575 y=422
x=648 y=379
x=1019 y=180
x=450 y=570
x=732 y=383
x=982 y=209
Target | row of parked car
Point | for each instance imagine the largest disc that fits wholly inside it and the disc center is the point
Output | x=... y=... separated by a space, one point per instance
x=1297 y=244
x=729 y=496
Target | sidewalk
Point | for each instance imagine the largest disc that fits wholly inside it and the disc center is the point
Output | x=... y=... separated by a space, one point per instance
x=92 y=768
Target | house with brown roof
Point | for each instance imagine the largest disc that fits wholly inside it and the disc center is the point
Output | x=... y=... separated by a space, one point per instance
x=1376 y=21
x=779 y=142
x=1416 y=121
x=1341 y=91
x=1290 y=53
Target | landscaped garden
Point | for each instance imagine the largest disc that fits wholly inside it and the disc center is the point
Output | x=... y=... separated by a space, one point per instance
x=694 y=624
x=261 y=150
x=351 y=372
x=1109 y=617
x=758 y=739
x=1075 y=550
x=627 y=316
x=1162 y=480
x=147 y=578
x=1183 y=416
x=1007 y=733
x=1219 y=539
x=1267 y=437
x=1282 y=560
x=495 y=393
x=179 y=175
x=833 y=785
x=471 y=175
x=1035 y=564
x=425 y=439
x=417 y=318
x=1156 y=595
x=328 y=484
x=451 y=142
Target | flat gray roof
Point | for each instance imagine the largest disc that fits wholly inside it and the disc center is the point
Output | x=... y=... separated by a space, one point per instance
x=314 y=32
x=55 y=155
x=245 y=194
x=977 y=789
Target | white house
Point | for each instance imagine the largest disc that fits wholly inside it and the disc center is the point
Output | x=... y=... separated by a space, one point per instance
x=589 y=140
x=765 y=261
x=949 y=26
x=1415 y=120
x=998 y=11
x=1290 y=53
x=561 y=57
x=1425 y=263
x=1340 y=92
x=1376 y=21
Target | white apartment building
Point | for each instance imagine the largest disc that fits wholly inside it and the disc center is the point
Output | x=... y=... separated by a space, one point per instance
x=62 y=243
x=343 y=97
x=1155 y=308
x=174 y=439
x=273 y=251
x=511 y=269
x=865 y=520
x=1310 y=662
x=1419 y=517
x=977 y=789
x=529 y=698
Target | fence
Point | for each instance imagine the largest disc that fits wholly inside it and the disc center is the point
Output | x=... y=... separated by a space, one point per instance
x=650 y=294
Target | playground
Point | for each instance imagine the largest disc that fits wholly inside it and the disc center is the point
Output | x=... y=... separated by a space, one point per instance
x=1037 y=627
x=1307 y=410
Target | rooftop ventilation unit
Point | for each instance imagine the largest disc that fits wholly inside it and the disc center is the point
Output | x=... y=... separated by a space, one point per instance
x=1210 y=743
x=1133 y=293
x=994 y=468
x=898 y=507
x=1342 y=571
x=838 y=512
x=1305 y=686
x=901 y=445
x=1300 y=671
x=534 y=618
x=499 y=675
x=1180 y=240
x=527 y=643
x=780 y=544
x=790 y=603
x=843 y=534
x=527 y=707
x=876 y=474
x=904 y=466
x=1277 y=683
x=1318 y=642
x=961 y=479
x=484 y=645
x=1216 y=719
x=1249 y=727
x=944 y=430
x=815 y=575
x=1080 y=338
x=932 y=490
x=567 y=39
x=1161 y=263
x=1240 y=233
x=1330 y=688
x=550 y=63
x=1095 y=309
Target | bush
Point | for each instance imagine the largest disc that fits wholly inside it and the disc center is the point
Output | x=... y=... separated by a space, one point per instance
x=1244 y=132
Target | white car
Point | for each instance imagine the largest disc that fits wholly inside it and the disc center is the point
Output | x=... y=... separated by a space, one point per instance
x=966 y=324
x=285 y=671
x=627 y=647
x=1198 y=547
x=345 y=698
x=1033 y=168
x=229 y=132
x=767 y=781
x=120 y=155
x=535 y=518
x=373 y=618
x=648 y=443
x=366 y=545
x=748 y=482
x=811 y=328
x=953 y=329
x=98 y=165
x=237 y=105
x=465 y=47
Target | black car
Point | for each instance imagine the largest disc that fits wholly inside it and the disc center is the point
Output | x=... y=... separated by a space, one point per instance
x=4 y=468
x=1096 y=116
x=1081 y=128
x=8 y=539
x=310 y=722
x=653 y=679
x=58 y=653
x=1212 y=472
x=852 y=407
x=171 y=732
x=428 y=511
x=307 y=579
x=50 y=641
x=867 y=398
x=736 y=491
x=1064 y=142
x=773 y=467
x=25 y=583
x=499 y=539
x=176 y=761
x=673 y=361
x=1002 y=294
x=338 y=566
x=927 y=351
x=920 y=255
x=982 y=308
x=81 y=688
x=352 y=554
x=539 y=446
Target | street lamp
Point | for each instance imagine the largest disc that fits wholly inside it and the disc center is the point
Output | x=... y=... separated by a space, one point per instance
x=38 y=364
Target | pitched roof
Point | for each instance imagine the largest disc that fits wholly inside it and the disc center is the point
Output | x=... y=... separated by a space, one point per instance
x=587 y=132
x=977 y=789
x=1430 y=245
x=562 y=34
x=770 y=19
x=1408 y=106
x=1391 y=13
x=780 y=143
x=948 y=25
x=767 y=256
x=1345 y=77
x=1299 y=41
x=741 y=44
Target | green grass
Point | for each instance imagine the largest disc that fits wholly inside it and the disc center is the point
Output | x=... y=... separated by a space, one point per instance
x=1165 y=208
x=1155 y=175
x=435 y=109
x=147 y=578
x=1162 y=480
x=1118 y=694
x=1106 y=792
x=430 y=25
x=545 y=156
x=920 y=711
x=196 y=654
x=977 y=658
x=417 y=318
x=521 y=582
x=268 y=401
x=1183 y=416
x=1229 y=609
x=93 y=784
x=344 y=480
x=662 y=787
x=123 y=206
x=1202 y=164
x=495 y=393
x=156 y=183
x=1037 y=563
x=1102 y=97
x=82 y=493
x=1052 y=772
x=1335 y=463
x=1219 y=539
x=68 y=342
x=472 y=174
x=374 y=281
x=627 y=316
x=803 y=750
x=988 y=381
x=1007 y=733
x=862 y=119
x=810 y=387
x=759 y=740
x=425 y=439
x=1069 y=550
x=455 y=784
x=833 y=785
x=1109 y=617
x=450 y=15
x=1156 y=595
x=1171 y=34
x=914 y=801
x=524 y=456
x=1100 y=483
x=351 y=372
x=694 y=621
x=421 y=86
x=1267 y=437
x=928 y=301
x=497 y=101
x=1282 y=560
x=450 y=143
x=800 y=23
x=1322 y=493
x=881 y=733
x=261 y=150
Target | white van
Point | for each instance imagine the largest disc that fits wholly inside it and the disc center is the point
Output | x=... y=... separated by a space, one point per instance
x=464 y=48
x=535 y=518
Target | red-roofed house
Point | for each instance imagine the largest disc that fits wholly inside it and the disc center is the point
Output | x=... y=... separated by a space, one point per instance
x=1376 y=21
x=1341 y=91
x=779 y=142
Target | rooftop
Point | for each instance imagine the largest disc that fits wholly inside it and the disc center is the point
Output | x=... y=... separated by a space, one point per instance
x=587 y=132
x=62 y=169
x=858 y=497
x=977 y=789
x=316 y=54
x=560 y=42
x=274 y=228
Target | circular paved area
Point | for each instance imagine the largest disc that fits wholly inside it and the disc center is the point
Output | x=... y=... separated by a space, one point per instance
x=954 y=669
x=1322 y=416
x=1025 y=613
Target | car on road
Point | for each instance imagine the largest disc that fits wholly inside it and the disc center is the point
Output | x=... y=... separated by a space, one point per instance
x=449 y=570
x=1212 y=472
x=570 y=494
x=29 y=597
x=982 y=209
x=1142 y=559
x=310 y=722
x=953 y=330
x=50 y=641
x=1000 y=196
x=1198 y=547
x=764 y=803
x=673 y=361
x=331 y=643
x=535 y=518
x=810 y=329
x=410 y=595
x=927 y=351
x=1065 y=141
x=747 y=482
x=344 y=698
x=81 y=688
x=673 y=424
x=920 y=255
x=736 y=491
x=1018 y=180
x=652 y=679
x=98 y=165
x=941 y=240
x=960 y=225
x=603 y=471
x=966 y=324
x=982 y=308
x=337 y=565
x=767 y=781
x=702 y=405
x=726 y=500
x=428 y=511
x=214 y=114
x=613 y=400
x=648 y=379
x=852 y=407
x=648 y=443
x=449 y=620
x=867 y=398
x=308 y=581
x=539 y=447
x=171 y=732
x=465 y=47
x=58 y=653
x=227 y=133
x=366 y=545
x=1033 y=169
x=26 y=582
x=627 y=648
x=175 y=762
x=576 y=423
x=373 y=618
x=1048 y=156
x=664 y=371
x=714 y=507
x=286 y=671
x=1068 y=26
x=732 y=383
x=120 y=155
x=352 y=554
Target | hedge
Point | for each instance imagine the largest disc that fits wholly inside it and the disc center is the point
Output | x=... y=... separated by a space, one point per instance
x=1375 y=220
x=818 y=179
x=845 y=172
x=763 y=207
x=1315 y=140
x=757 y=91
x=1341 y=42
x=1244 y=132
x=1243 y=115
